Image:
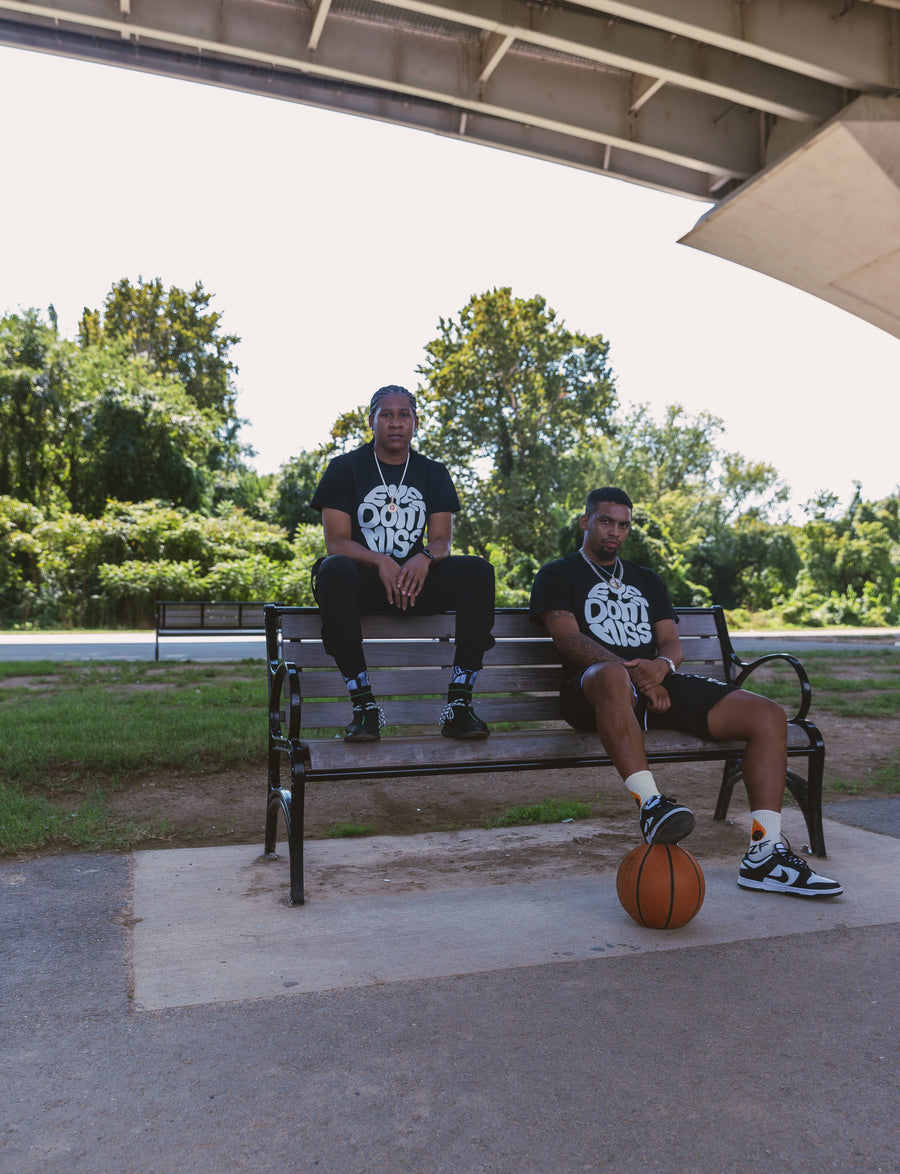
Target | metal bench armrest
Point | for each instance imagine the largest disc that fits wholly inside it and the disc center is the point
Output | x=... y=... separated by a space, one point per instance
x=746 y=668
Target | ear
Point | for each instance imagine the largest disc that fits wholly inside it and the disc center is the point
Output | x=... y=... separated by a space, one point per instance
x=583 y=522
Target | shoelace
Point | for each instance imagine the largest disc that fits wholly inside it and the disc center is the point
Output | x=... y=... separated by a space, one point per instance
x=447 y=714
x=788 y=854
x=367 y=708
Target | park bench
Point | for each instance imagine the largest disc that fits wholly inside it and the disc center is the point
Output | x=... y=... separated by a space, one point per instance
x=409 y=658
x=208 y=619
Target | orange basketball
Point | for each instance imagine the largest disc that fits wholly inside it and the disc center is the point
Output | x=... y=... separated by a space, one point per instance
x=660 y=886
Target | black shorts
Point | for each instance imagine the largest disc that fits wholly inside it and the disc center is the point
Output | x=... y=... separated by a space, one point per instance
x=692 y=699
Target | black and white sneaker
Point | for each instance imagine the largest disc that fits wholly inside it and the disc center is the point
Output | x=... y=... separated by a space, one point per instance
x=459 y=720
x=663 y=821
x=366 y=724
x=785 y=872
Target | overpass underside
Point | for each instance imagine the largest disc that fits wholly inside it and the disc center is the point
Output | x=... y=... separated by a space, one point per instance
x=783 y=114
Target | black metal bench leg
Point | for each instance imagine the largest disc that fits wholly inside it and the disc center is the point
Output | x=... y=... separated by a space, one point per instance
x=295 y=829
x=274 y=804
x=731 y=774
x=290 y=804
x=808 y=793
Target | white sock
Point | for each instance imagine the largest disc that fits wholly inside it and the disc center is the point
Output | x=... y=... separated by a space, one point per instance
x=642 y=786
x=765 y=832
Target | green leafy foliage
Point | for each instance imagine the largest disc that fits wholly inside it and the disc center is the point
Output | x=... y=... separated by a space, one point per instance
x=71 y=569
x=511 y=399
x=122 y=480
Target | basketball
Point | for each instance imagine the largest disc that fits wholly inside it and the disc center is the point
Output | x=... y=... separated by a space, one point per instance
x=661 y=886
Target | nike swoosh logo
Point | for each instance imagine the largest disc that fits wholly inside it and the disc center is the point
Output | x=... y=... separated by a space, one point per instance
x=789 y=875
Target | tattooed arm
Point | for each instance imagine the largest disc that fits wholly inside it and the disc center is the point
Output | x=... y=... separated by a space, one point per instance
x=647 y=675
x=572 y=644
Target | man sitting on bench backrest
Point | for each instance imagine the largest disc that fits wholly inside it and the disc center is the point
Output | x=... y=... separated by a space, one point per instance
x=379 y=505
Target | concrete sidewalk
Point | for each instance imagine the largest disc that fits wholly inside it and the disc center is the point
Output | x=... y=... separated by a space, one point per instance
x=170 y=1012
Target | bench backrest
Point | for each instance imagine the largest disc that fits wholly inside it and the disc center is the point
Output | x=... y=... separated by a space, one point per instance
x=409 y=659
x=201 y=616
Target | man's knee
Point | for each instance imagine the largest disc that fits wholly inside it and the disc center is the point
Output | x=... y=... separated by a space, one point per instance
x=334 y=572
x=608 y=684
x=475 y=572
x=743 y=714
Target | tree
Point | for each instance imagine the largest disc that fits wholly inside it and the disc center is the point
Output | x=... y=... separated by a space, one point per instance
x=846 y=554
x=180 y=337
x=140 y=438
x=512 y=400
x=295 y=484
x=719 y=509
x=37 y=399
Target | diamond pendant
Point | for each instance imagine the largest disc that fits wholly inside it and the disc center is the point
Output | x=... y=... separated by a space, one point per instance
x=615 y=584
x=392 y=507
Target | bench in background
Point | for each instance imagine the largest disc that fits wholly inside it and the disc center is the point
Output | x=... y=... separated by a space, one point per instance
x=208 y=619
x=409 y=658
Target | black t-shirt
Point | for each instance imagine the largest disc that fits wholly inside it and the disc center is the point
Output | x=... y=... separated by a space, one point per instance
x=621 y=621
x=352 y=484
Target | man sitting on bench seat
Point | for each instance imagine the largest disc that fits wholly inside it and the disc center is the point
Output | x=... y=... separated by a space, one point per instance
x=614 y=626
x=379 y=504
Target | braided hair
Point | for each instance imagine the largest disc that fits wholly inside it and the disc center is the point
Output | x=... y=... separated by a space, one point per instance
x=390 y=389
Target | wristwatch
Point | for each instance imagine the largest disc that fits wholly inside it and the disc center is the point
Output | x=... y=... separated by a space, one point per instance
x=430 y=558
x=670 y=663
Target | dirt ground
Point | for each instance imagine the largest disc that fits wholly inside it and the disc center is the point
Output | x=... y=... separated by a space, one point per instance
x=229 y=807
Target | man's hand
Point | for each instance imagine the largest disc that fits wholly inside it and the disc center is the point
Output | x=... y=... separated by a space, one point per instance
x=658 y=699
x=411 y=578
x=647 y=674
x=389 y=574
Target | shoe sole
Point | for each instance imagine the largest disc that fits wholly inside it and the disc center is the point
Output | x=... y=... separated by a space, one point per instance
x=769 y=887
x=675 y=827
x=362 y=738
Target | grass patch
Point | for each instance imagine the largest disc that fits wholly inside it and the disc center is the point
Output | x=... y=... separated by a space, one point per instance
x=96 y=723
x=849 y=684
x=546 y=811
x=70 y=733
x=28 y=822
x=341 y=830
x=885 y=778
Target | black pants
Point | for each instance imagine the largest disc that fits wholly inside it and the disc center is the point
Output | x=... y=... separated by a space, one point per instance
x=346 y=590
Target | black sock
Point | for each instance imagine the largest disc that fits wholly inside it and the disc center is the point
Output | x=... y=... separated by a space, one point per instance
x=360 y=690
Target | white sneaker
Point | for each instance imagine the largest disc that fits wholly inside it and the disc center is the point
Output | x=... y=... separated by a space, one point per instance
x=784 y=872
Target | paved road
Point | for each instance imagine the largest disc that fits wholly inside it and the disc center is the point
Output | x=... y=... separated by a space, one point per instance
x=141 y=645
x=125 y=646
x=476 y=1028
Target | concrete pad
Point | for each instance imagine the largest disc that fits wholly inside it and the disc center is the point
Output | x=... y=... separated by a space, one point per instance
x=213 y=925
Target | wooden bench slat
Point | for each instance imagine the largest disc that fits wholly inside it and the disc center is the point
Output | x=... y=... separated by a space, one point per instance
x=425 y=652
x=327 y=683
x=424 y=711
x=696 y=624
x=322 y=683
x=304 y=623
x=512 y=746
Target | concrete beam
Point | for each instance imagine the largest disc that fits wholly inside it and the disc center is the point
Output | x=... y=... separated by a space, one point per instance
x=844 y=44
x=825 y=218
x=684 y=128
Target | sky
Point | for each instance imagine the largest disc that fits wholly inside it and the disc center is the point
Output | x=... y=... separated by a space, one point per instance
x=335 y=244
